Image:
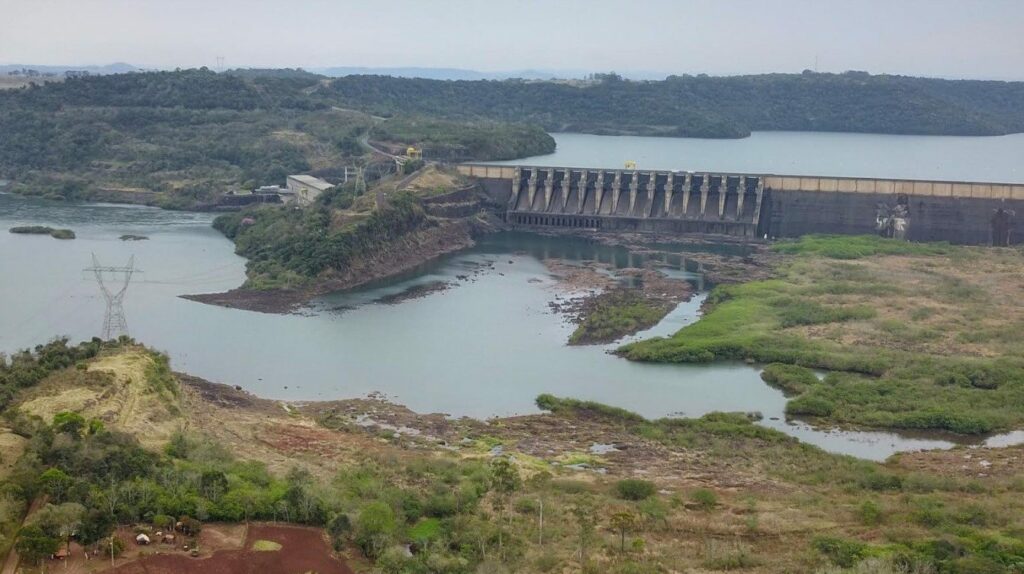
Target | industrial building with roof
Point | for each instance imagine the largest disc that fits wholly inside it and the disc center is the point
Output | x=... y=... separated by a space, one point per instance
x=306 y=188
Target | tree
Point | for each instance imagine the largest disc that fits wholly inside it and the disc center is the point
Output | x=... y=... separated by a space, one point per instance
x=213 y=484
x=96 y=525
x=163 y=521
x=504 y=481
x=190 y=526
x=55 y=482
x=623 y=521
x=61 y=521
x=584 y=513
x=374 y=527
x=33 y=544
x=69 y=422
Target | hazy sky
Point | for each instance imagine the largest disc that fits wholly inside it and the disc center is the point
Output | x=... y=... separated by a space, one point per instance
x=956 y=38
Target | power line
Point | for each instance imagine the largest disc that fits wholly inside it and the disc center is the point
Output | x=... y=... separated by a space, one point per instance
x=114 y=322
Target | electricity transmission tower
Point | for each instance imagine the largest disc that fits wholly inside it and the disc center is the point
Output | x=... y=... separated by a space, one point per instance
x=114 y=322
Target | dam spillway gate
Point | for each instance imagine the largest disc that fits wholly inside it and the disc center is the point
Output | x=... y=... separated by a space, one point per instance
x=636 y=201
x=753 y=206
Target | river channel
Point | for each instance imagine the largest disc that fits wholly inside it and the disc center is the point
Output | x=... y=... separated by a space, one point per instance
x=487 y=346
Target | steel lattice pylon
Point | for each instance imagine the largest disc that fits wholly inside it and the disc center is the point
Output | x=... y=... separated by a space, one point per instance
x=114 y=322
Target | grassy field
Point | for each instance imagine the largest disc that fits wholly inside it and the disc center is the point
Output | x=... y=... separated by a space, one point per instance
x=916 y=336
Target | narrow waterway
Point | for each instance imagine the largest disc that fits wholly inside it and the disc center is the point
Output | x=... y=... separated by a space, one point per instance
x=486 y=346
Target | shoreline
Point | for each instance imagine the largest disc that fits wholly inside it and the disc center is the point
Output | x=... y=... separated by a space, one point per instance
x=378 y=414
x=413 y=251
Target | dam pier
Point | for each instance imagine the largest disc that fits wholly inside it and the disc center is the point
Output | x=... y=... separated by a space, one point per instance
x=753 y=206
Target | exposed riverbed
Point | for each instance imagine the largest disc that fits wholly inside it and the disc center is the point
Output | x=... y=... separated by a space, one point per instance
x=487 y=344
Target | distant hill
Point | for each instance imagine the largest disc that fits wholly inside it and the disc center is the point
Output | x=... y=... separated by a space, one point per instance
x=708 y=106
x=192 y=135
x=463 y=74
x=116 y=68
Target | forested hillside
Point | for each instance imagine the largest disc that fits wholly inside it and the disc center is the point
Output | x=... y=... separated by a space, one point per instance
x=183 y=138
x=703 y=106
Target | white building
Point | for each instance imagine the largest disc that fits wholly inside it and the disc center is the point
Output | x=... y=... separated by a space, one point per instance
x=306 y=188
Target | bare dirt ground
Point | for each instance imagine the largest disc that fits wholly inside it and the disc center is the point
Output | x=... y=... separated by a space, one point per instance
x=430 y=180
x=301 y=550
x=269 y=431
x=587 y=447
x=967 y=462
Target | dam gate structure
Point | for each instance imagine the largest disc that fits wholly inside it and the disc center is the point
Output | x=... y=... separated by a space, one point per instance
x=752 y=206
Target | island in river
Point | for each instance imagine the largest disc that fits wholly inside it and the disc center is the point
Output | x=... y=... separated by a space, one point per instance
x=44 y=230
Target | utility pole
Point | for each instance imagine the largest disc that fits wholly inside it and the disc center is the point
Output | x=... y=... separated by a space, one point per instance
x=114 y=322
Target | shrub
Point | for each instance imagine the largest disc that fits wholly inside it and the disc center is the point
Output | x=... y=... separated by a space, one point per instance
x=634 y=489
x=792 y=379
x=869 y=513
x=840 y=552
x=875 y=480
x=526 y=506
x=425 y=530
x=340 y=525
x=810 y=406
x=704 y=498
x=547 y=402
x=546 y=562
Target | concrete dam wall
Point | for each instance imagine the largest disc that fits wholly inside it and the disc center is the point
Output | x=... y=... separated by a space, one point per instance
x=753 y=205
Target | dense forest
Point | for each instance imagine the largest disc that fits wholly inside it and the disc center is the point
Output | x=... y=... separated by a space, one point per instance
x=705 y=106
x=193 y=135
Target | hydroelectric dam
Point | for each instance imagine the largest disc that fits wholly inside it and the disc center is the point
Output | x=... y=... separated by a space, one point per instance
x=752 y=206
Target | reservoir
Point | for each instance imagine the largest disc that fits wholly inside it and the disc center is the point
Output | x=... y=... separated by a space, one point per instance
x=953 y=158
x=486 y=346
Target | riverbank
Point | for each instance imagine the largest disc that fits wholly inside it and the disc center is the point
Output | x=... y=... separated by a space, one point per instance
x=693 y=493
x=914 y=336
x=399 y=256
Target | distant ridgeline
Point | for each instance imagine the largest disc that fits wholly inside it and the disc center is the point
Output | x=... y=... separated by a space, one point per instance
x=191 y=135
x=184 y=138
x=705 y=106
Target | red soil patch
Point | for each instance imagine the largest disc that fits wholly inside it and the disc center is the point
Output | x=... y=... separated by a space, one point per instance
x=302 y=550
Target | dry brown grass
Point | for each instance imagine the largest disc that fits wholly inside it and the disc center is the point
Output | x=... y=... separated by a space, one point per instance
x=969 y=303
x=114 y=388
x=11 y=448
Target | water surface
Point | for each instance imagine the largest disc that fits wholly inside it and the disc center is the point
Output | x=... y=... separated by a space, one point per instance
x=989 y=159
x=485 y=347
